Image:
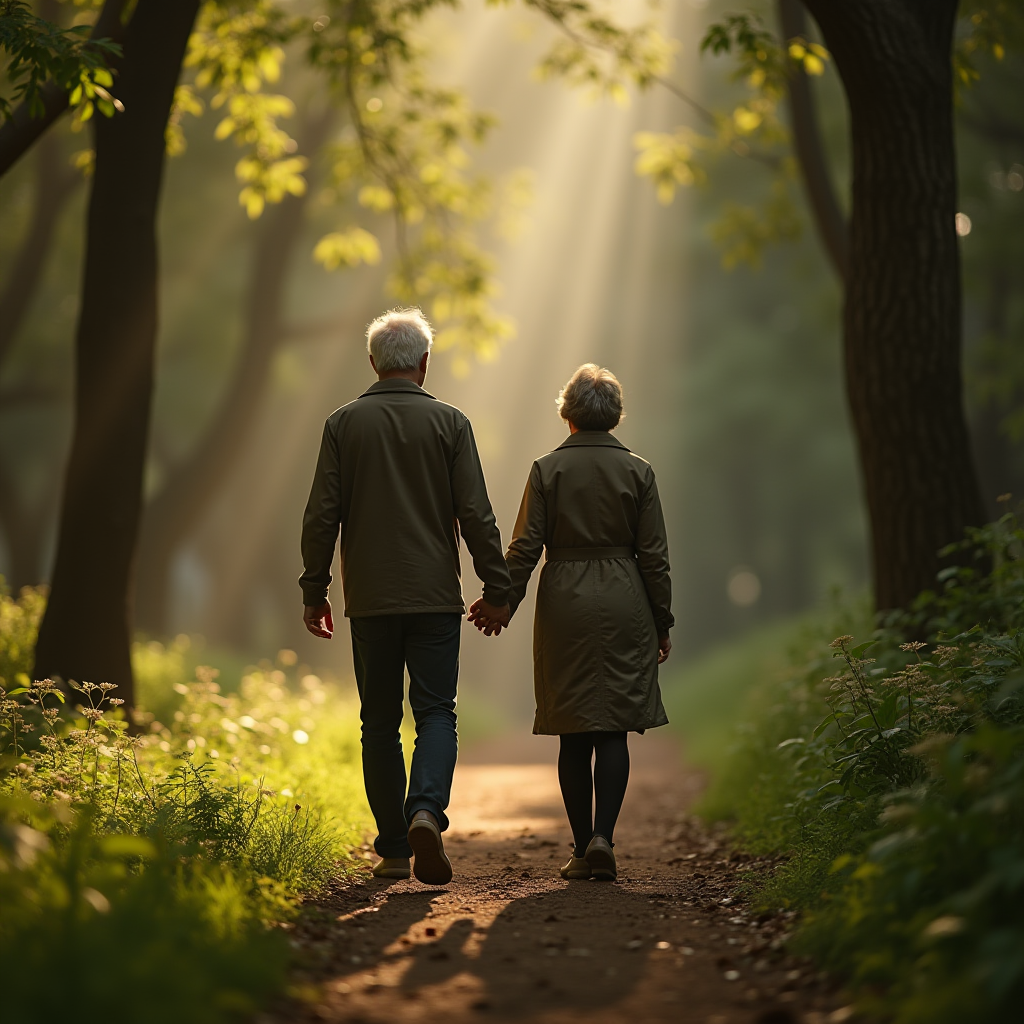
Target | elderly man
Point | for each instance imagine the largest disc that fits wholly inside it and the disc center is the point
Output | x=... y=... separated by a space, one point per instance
x=399 y=474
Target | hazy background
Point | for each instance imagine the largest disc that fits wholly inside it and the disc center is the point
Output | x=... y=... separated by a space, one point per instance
x=732 y=378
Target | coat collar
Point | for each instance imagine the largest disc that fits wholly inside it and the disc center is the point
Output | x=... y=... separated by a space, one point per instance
x=396 y=385
x=592 y=439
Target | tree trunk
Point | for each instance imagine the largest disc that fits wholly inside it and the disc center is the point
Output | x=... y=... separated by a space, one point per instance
x=901 y=321
x=189 y=489
x=86 y=632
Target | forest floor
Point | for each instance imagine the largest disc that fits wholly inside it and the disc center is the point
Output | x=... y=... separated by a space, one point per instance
x=509 y=940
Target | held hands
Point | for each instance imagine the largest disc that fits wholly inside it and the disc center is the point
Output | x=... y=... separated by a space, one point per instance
x=664 y=646
x=318 y=619
x=488 y=618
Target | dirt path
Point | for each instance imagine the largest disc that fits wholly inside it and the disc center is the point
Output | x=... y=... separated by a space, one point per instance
x=509 y=940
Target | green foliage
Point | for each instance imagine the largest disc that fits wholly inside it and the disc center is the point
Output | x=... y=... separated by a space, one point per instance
x=404 y=149
x=19 y=624
x=136 y=934
x=986 y=28
x=404 y=154
x=236 y=51
x=743 y=232
x=39 y=52
x=899 y=811
x=752 y=129
x=927 y=922
x=598 y=54
x=168 y=850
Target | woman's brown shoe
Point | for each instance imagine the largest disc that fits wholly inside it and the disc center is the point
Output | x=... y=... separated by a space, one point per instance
x=430 y=865
x=601 y=859
x=391 y=867
x=576 y=868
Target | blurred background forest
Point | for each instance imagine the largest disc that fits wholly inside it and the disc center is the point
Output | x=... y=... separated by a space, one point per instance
x=732 y=374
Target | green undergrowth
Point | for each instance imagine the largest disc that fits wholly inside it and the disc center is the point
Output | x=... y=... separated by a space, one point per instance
x=147 y=874
x=885 y=762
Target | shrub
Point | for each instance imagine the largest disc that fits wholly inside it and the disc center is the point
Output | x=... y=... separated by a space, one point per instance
x=901 y=811
x=143 y=876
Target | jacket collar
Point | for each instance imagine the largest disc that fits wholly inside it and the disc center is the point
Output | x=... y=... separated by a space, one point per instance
x=592 y=439
x=396 y=385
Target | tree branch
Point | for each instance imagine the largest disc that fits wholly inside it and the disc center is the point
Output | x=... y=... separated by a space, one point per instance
x=22 y=129
x=54 y=185
x=821 y=196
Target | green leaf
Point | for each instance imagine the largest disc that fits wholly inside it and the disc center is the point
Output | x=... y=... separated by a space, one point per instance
x=127 y=846
x=888 y=712
x=861 y=649
x=823 y=725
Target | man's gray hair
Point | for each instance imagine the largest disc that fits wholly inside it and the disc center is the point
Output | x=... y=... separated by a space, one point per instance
x=592 y=399
x=398 y=339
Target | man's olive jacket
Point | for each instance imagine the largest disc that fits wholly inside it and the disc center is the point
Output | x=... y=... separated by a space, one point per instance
x=399 y=474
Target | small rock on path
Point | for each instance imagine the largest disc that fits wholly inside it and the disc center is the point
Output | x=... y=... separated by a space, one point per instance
x=509 y=940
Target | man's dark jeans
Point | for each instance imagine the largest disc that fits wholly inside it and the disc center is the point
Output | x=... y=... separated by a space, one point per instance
x=382 y=647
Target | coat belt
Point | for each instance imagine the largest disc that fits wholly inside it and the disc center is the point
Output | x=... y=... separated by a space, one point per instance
x=587 y=554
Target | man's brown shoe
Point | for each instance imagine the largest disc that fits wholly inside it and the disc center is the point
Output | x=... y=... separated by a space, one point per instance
x=430 y=865
x=576 y=868
x=601 y=860
x=391 y=867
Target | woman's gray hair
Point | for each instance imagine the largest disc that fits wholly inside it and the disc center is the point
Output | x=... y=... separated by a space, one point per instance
x=592 y=399
x=398 y=339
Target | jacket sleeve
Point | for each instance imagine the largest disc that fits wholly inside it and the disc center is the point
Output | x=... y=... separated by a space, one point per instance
x=321 y=522
x=527 y=543
x=652 y=556
x=476 y=518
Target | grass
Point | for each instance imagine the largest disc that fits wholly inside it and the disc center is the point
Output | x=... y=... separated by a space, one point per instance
x=149 y=877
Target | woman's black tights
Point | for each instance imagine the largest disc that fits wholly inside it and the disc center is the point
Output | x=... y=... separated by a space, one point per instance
x=592 y=798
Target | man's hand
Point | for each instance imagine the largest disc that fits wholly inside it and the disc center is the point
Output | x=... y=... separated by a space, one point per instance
x=318 y=619
x=664 y=646
x=489 y=618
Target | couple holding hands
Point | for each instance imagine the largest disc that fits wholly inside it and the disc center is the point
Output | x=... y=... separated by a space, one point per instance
x=399 y=477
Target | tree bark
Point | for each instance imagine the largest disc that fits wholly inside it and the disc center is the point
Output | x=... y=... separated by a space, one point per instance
x=86 y=631
x=902 y=317
x=828 y=216
x=22 y=128
x=189 y=489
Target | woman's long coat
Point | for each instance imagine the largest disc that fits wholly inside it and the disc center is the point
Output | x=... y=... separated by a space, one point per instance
x=604 y=596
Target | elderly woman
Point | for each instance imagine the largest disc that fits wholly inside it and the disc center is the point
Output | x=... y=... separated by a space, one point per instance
x=603 y=608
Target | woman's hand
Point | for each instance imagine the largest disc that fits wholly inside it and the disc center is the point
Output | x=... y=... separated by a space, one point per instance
x=664 y=646
x=488 y=618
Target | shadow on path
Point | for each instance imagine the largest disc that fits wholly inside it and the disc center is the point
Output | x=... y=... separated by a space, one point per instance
x=510 y=940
